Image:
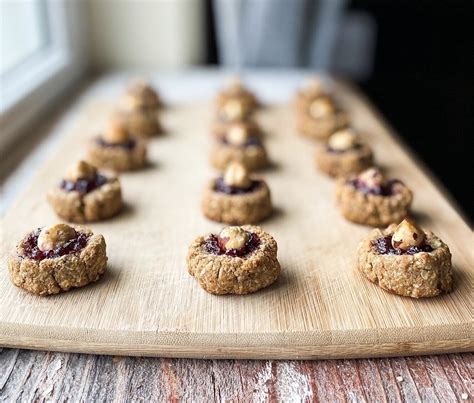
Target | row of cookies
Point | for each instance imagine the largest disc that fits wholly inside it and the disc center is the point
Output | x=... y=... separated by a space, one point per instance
x=241 y=258
x=237 y=196
x=59 y=257
x=90 y=190
x=403 y=258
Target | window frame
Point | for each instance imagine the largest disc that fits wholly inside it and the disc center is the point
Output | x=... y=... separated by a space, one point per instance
x=29 y=89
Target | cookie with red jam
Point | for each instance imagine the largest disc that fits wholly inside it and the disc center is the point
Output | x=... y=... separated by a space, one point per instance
x=139 y=109
x=236 y=91
x=235 y=104
x=344 y=154
x=140 y=94
x=311 y=90
x=406 y=260
x=241 y=146
x=57 y=258
x=371 y=199
x=237 y=198
x=86 y=195
x=320 y=119
x=117 y=149
x=238 y=260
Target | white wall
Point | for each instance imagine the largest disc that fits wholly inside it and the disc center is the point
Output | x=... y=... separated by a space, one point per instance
x=146 y=33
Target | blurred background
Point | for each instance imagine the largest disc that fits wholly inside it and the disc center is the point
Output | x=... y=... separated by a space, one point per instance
x=412 y=58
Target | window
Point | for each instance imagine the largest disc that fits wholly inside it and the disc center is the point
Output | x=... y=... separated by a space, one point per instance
x=25 y=21
x=41 y=55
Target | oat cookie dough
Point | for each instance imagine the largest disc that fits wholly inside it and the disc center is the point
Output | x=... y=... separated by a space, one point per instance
x=406 y=260
x=371 y=199
x=311 y=90
x=238 y=260
x=320 y=119
x=58 y=258
x=344 y=154
x=117 y=149
x=86 y=195
x=237 y=198
x=239 y=145
x=139 y=109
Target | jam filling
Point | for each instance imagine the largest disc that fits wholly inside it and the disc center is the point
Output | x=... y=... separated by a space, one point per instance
x=31 y=250
x=387 y=189
x=252 y=141
x=222 y=187
x=212 y=246
x=83 y=186
x=333 y=150
x=129 y=144
x=384 y=247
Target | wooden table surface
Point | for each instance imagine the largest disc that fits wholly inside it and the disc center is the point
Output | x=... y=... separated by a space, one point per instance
x=46 y=376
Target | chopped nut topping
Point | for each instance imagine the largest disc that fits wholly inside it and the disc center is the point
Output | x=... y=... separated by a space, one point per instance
x=117 y=132
x=233 y=109
x=236 y=175
x=321 y=107
x=233 y=238
x=55 y=235
x=343 y=140
x=81 y=170
x=238 y=135
x=372 y=178
x=407 y=234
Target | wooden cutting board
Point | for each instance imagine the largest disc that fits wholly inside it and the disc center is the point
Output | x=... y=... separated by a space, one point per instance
x=147 y=304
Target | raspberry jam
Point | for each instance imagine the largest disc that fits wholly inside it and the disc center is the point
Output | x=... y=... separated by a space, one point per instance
x=83 y=186
x=212 y=246
x=222 y=187
x=384 y=247
x=129 y=144
x=31 y=250
x=387 y=189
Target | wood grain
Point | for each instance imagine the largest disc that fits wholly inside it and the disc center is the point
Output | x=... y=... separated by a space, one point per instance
x=320 y=308
x=46 y=376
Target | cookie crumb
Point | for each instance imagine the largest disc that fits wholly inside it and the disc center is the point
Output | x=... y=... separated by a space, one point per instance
x=464 y=396
x=399 y=379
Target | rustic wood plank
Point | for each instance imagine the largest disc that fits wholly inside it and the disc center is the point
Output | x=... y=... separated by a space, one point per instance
x=464 y=368
x=439 y=379
x=421 y=379
x=43 y=376
x=389 y=381
x=371 y=380
x=351 y=379
x=455 y=380
x=7 y=363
